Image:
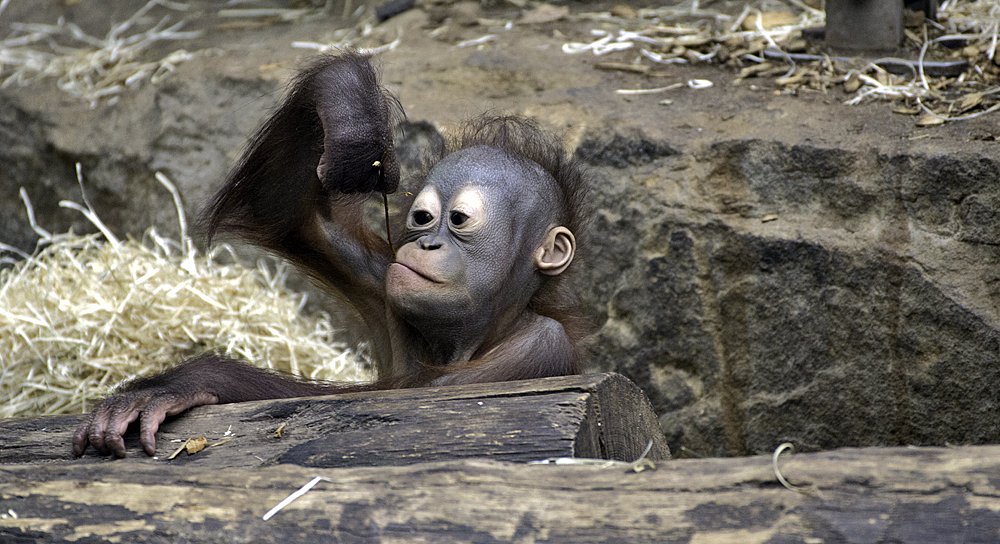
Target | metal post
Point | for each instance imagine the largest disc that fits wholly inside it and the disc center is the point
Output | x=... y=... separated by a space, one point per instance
x=864 y=25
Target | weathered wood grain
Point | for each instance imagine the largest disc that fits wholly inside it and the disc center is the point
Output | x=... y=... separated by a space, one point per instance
x=601 y=416
x=898 y=495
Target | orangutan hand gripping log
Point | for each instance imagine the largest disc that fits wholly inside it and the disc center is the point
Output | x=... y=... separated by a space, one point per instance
x=474 y=290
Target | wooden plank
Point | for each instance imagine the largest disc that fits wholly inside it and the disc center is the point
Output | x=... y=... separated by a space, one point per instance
x=602 y=415
x=899 y=495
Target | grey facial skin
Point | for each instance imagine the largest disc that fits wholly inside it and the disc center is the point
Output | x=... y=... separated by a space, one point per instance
x=470 y=235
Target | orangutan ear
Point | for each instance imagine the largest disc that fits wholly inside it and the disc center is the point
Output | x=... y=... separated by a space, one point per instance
x=556 y=251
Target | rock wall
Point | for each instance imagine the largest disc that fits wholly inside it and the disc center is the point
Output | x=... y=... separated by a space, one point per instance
x=184 y=128
x=849 y=327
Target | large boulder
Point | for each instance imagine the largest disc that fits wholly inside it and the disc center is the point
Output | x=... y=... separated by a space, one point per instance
x=857 y=324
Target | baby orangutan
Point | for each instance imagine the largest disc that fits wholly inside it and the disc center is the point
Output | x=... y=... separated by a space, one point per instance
x=474 y=289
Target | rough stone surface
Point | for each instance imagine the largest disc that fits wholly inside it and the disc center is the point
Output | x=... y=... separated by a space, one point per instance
x=749 y=339
x=768 y=268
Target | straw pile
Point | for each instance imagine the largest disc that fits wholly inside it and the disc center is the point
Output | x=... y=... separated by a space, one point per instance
x=85 y=312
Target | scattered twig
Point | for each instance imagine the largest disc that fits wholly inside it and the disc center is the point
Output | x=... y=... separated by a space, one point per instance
x=178 y=450
x=291 y=498
x=811 y=491
x=641 y=464
x=92 y=68
x=348 y=41
x=478 y=41
x=651 y=91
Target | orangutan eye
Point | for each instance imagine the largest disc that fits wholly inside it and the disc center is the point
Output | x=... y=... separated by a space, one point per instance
x=458 y=218
x=467 y=210
x=422 y=217
x=425 y=210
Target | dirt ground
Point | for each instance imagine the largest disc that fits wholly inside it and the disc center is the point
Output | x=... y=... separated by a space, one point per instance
x=524 y=69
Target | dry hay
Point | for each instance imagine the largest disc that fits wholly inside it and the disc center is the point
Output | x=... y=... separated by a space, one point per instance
x=768 y=42
x=88 y=67
x=84 y=313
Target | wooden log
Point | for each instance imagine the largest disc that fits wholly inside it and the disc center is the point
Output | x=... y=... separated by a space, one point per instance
x=898 y=495
x=601 y=416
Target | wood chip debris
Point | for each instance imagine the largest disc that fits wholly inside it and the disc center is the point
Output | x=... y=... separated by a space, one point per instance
x=929 y=120
x=955 y=74
x=195 y=445
x=86 y=312
x=544 y=13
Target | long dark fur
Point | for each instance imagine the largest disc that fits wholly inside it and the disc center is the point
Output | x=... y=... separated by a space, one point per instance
x=275 y=163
